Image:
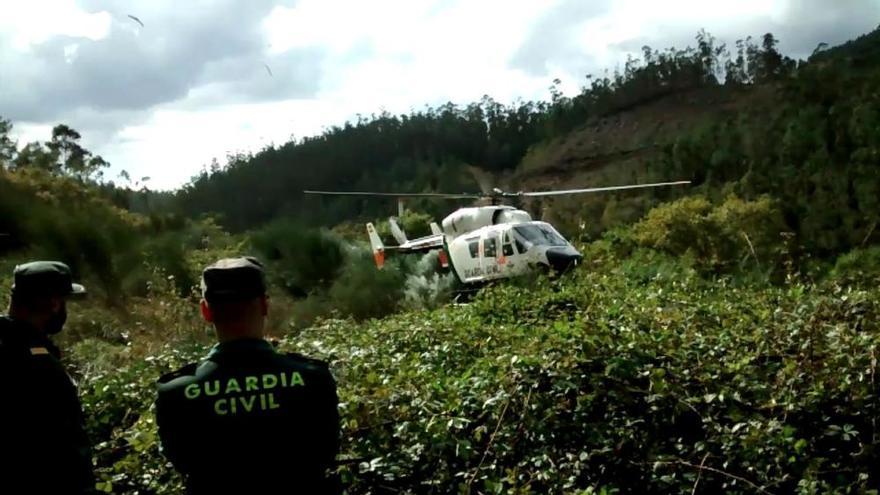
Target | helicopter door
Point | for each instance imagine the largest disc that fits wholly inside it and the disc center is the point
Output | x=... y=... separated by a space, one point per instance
x=489 y=258
x=511 y=258
x=506 y=251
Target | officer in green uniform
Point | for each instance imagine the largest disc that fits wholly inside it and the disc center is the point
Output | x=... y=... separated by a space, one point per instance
x=248 y=419
x=44 y=446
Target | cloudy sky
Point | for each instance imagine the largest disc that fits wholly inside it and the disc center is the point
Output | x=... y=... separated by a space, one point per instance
x=205 y=77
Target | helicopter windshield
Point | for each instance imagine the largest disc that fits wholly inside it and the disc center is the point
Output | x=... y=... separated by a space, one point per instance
x=540 y=235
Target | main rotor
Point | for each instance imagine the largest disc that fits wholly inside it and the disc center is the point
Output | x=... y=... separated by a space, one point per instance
x=495 y=196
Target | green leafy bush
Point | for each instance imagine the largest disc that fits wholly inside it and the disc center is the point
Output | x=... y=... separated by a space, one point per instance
x=600 y=380
x=716 y=238
x=303 y=260
x=429 y=286
x=414 y=225
x=59 y=218
x=363 y=291
x=859 y=266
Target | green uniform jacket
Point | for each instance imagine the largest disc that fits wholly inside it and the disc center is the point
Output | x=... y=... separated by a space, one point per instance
x=42 y=441
x=251 y=420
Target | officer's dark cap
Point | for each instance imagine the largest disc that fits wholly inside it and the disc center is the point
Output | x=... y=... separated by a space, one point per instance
x=44 y=278
x=234 y=279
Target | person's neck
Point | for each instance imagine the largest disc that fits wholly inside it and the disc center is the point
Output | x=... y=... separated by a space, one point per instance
x=232 y=334
x=30 y=319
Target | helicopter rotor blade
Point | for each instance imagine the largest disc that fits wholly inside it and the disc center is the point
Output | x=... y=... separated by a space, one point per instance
x=398 y=195
x=598 y=189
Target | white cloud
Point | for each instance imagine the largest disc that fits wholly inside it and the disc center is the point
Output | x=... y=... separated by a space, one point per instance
x=173 y=145
x=389 y=25
x=171 y=111
x=31 y=22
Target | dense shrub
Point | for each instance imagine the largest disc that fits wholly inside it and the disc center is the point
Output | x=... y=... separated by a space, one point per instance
x=362 y=291
x=303 y=260
x=603 y=380
x=414 y=225
x=607 y=382
x=429 y=286
x=859 y=266
x=717 y=238
x=57 y=218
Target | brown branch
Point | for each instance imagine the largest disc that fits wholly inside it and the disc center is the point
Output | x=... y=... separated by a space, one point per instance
x=699 y=474
x=870 y=231
x=376 y=425
x=682 y=462
x=873 y=387
x=489 y=444
x=751 y=247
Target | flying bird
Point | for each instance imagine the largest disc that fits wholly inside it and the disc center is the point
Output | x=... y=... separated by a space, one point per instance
x=135 y=19
x=268 y=70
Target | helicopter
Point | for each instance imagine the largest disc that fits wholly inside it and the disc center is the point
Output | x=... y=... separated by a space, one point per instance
x=486 y=243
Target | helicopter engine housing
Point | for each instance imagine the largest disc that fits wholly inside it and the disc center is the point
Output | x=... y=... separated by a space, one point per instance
x=467 y=220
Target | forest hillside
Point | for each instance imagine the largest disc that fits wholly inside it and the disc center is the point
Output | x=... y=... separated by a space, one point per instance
x=720 y=338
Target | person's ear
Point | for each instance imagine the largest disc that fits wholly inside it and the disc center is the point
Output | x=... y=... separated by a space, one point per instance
x=264 y=305
x=206 y=311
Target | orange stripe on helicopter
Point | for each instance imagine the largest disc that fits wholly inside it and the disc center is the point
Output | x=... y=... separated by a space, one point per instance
x=379 y=258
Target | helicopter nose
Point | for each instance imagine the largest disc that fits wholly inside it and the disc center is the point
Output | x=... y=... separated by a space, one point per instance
x=562 y=260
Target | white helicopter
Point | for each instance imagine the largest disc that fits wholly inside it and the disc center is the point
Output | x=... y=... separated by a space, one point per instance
x=485 y=243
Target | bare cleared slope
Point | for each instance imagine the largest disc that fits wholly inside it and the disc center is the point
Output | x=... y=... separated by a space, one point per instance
x=617 y=147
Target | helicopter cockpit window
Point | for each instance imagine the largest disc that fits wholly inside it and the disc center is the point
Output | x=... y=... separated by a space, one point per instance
x=540 y=235
x=490 y=247
x=474 y=247
x=507 y=246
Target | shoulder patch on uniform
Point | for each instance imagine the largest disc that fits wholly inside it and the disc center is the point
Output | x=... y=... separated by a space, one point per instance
x=307 y=359
x=189 y=369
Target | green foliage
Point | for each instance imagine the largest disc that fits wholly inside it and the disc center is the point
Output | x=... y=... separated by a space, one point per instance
x=62 y=155
x=750 y=228
x=859 y=266
x=716 y=238
x=7 y=144
x=120 y=254
x=600 y=382
x=117 y=403
x=625 y=211
x=362 y=291
x=338 y=278
x=428 y=287
x=56 y=218
x=414 y=224
x=810 y=141
x=303 y=260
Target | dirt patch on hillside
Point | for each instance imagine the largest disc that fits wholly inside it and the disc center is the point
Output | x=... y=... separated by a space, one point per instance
x=625 y=141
